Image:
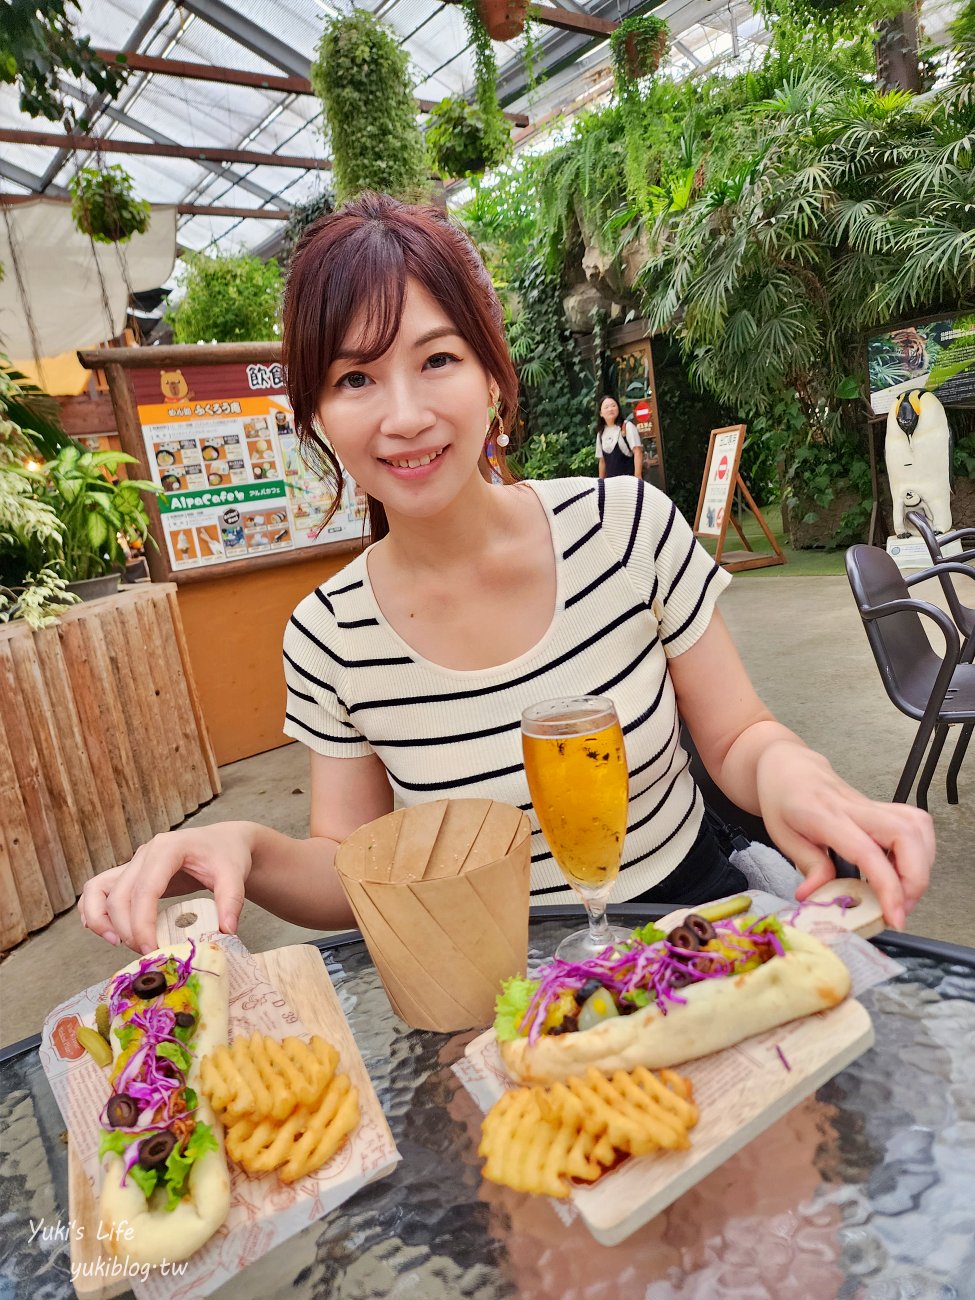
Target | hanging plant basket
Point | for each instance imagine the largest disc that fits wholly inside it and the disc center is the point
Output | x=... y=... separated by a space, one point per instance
x=461 y=143
x=638 y=46
x=104 y=206
x=503 y=19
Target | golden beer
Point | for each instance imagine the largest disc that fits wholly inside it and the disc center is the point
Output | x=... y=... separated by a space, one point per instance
x=580 y=790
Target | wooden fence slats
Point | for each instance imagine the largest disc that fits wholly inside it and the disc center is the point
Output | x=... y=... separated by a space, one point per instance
x=102 y=745
x=34 y=790
x=35 y=905
x=43 y=677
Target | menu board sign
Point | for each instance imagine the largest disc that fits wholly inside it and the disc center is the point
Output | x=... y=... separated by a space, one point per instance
x=221 y=444
x=720 y=481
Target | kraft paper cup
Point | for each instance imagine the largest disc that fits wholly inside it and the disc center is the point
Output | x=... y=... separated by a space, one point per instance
x=440 y=892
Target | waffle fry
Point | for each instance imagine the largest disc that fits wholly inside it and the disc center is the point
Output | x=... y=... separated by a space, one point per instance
x=534 y=1138
x=303 y=1143
x=264 y=1079
x=283 y=1105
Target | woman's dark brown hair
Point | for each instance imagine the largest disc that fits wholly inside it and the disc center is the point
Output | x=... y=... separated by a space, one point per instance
x=360 y=259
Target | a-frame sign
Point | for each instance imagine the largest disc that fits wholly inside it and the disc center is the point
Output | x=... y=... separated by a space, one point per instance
x=722 y=478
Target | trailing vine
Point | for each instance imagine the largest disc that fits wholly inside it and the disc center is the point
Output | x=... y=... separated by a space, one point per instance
x=496 y=133
x=361 y=75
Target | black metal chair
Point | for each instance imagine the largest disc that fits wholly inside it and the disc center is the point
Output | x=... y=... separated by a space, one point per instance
x=943 y=566
x=938 y=691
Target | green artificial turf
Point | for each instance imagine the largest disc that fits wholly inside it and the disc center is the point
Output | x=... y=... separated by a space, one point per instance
x=798 y=564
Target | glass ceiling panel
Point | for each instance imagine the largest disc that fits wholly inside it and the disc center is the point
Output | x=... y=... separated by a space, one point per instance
x=705 y=34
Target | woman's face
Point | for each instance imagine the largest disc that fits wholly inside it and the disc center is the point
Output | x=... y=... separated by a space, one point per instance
x=609 y=410
x=409 y=428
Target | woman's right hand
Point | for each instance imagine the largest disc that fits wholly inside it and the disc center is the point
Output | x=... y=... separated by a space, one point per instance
x=121 y=904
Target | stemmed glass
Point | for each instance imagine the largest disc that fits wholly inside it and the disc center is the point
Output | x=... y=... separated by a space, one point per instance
x=579 y=783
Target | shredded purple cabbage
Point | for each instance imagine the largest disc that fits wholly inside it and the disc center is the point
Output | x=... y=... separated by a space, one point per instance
x=842 y=900
x=653 y=967
x=151 y=1080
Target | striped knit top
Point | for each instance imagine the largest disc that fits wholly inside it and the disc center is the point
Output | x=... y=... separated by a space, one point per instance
x=634 y=588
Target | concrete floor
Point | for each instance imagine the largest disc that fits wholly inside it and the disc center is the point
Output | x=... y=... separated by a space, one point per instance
x=804 y=646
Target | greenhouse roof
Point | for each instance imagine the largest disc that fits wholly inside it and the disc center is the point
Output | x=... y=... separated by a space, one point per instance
x=278 y=38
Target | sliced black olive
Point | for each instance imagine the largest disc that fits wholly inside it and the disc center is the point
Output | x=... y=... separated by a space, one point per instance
x=588 y=989
x=154 y=1151
x=627 y=1007
x=700 y=925
x=682 y=936
x=185 y=1019
x=122 y=1111
x=567 y=1025
x=149 y=985
x=680 y=978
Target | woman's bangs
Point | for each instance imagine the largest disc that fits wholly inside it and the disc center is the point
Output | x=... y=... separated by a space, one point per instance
x=366 y=325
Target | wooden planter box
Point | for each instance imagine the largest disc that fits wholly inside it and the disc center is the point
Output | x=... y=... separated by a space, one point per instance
x=102 y=745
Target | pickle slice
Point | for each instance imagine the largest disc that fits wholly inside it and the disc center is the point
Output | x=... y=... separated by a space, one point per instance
x=727 y=907
x=94 y=1045
x=103 y=1020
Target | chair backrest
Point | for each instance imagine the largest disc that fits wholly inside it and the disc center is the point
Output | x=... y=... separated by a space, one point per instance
x=907 y=662
x=964 y=616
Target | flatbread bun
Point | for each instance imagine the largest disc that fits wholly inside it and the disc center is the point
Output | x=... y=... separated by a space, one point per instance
x=718 y=1013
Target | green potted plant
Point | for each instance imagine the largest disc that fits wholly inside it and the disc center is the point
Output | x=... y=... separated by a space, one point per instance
x=104 y=205
x=227 y=298
x=494 y=129
x=96 y=515
x=361 y=75
x=460 y=142
x=638 y=45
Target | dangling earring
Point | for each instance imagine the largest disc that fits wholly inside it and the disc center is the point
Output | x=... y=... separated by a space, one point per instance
x=502 y=439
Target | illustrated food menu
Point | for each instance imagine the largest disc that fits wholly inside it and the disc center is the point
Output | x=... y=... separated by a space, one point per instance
x=220 y=443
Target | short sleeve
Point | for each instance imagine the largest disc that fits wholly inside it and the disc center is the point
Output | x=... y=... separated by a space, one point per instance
x=670 y=569
x=633 y=435
x=599 y=446
x=316 y=713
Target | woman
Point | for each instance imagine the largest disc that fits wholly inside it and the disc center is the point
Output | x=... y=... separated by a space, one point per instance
x=409 y=670
x=619 y=449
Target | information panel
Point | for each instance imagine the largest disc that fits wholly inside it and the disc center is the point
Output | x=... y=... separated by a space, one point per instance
x=221 y=444
x=935 y=355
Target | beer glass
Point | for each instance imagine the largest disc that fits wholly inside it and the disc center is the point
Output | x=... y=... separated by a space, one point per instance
x=579 y=784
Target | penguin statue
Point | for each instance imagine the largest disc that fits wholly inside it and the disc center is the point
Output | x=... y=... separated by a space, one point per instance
x=917 y=450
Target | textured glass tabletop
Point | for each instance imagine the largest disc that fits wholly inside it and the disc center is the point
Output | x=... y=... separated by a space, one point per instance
x=865 y=1191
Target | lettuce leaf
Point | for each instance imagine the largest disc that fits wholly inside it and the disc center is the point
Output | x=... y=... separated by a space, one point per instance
x=649 y=933
x=178 y=1055
x=179 y=1164
x=113 y=1140
x=639 y=997
x=125 y=1033
x=144 y=1179
x=511 y=1007
x=775 y=925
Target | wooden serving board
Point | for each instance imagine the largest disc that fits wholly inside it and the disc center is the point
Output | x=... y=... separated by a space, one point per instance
x=740 y=1091
x=299 y=974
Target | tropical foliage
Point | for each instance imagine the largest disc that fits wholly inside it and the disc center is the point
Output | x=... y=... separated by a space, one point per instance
x=227 y=298
x=763 y=222
x=104 y=205
x=361 y=75
x=38 y=45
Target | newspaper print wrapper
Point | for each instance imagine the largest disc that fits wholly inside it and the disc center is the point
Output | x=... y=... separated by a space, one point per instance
x=740 y=1091
x=263 y=1211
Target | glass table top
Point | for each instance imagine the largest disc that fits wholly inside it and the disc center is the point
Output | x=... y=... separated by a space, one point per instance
x=866 y=1190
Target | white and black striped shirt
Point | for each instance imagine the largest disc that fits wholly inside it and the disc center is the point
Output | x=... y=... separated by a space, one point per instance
x=634 y=588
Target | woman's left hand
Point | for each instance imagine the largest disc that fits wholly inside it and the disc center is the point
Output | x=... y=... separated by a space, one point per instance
x=808 y=809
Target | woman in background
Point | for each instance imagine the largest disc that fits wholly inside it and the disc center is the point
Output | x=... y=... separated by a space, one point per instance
x=618 y=446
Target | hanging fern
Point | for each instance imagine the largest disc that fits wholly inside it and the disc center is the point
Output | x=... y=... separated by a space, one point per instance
x=104 y=206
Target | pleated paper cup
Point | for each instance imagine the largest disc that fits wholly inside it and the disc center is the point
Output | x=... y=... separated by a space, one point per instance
x=440 y=892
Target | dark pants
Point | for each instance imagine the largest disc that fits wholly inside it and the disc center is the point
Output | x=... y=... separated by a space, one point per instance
x=704 y=874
